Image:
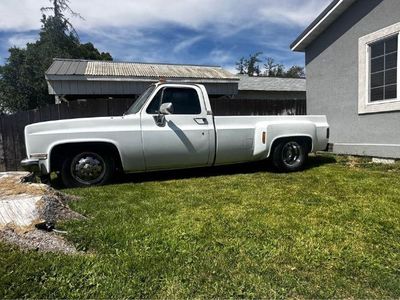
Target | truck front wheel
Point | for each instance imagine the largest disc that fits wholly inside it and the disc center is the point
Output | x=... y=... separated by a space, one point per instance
x=87 y=169
x=289 y=156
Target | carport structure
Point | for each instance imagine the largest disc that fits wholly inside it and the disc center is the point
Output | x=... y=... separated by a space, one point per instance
x=71 y=79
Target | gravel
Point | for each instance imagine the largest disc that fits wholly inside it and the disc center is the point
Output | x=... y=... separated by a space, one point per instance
x=37 y=240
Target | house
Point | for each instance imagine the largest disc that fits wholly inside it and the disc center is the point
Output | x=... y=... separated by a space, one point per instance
x=352 y=63
x=70 y=80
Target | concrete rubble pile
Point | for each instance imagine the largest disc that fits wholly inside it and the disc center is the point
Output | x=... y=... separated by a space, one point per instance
x=26 y=207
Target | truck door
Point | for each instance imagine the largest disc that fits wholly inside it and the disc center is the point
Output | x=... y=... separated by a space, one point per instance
x=185 y=137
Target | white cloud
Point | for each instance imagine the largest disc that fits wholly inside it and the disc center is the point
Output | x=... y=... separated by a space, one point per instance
x=293 y=12
x=186 y=43
x=20 y=15
x=219 y=56
x=222 y=16
x=130 y=29
x=21 y=39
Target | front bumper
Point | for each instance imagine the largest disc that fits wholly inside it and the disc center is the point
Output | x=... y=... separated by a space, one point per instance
x=31 y=165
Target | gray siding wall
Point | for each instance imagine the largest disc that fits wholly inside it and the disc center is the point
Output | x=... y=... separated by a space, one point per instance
x=332 y=82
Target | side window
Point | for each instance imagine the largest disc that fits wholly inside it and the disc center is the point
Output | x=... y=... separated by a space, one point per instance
x=383 y=77
x=184 y=100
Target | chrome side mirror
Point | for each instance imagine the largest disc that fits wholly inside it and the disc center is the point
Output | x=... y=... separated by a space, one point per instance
x=166 y=109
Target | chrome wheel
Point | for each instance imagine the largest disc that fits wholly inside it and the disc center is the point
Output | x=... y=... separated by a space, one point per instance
x=291 y=153
x=88 y=168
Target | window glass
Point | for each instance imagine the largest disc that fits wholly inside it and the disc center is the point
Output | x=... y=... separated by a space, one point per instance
x=184 y=100
x=383 y=77
x=138 y=104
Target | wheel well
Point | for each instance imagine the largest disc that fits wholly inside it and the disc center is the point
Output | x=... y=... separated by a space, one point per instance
x=304 y=140
x=60 y=152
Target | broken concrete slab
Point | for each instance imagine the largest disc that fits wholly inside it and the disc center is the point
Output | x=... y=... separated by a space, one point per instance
x=24 y=206
x=383 y=161
x=19 y=210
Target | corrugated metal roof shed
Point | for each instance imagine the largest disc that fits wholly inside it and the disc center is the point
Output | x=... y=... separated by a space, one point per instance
x=64 y=67
x=83 y=77
x=271 y=84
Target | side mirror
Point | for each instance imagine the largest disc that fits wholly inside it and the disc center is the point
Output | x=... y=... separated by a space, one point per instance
x=166 y=109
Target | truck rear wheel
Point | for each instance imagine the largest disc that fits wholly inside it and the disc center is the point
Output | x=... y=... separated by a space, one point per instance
x=87 y=169
x=290 y=155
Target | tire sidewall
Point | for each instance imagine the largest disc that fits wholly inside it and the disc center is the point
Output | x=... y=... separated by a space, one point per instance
x=278 y=157
x=69 y=181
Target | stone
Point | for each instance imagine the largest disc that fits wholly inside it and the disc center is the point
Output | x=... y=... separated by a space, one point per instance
x=383 y=161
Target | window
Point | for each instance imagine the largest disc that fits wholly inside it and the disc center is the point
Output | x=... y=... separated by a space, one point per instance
x=379 y=71
x=184 y=100
x=383 y=80
x=138 y=104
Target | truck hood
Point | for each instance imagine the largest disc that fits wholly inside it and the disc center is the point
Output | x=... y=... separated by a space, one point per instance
x=41 y=137
x=73 y=125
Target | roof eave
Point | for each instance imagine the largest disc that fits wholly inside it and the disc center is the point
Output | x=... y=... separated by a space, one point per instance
x=138 y=79
x=322 y=22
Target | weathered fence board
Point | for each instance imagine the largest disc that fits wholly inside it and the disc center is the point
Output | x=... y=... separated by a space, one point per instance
x=2 y=158
x=12 y=145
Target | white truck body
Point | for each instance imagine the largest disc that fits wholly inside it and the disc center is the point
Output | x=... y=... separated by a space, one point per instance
x=183 y=141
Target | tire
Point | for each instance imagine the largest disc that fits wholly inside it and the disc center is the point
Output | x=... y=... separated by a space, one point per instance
x=290 y=156
x=87 y=168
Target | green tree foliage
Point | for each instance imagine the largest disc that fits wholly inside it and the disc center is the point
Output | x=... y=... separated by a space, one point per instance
x=271 y=68
x=295 y=72
x=22 y=78
x=241 y=66
x=250 y=65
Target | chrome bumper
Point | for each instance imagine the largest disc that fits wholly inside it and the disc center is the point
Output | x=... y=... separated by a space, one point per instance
x=31 y=165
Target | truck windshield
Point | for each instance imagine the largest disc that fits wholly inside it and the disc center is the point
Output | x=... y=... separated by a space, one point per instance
x=134 y=109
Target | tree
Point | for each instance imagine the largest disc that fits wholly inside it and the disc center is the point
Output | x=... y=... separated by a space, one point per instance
x=22 y=82
x=295 y=72
x=251 y=67
x=241 y=65
x=252 y=64
x=58 y=8
x=273 y=69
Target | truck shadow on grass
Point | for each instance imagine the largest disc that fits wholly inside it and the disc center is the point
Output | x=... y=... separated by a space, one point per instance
x=314 y=161
x=245 y=168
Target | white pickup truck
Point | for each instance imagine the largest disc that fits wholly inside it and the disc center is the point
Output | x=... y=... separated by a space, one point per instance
x=170 y=126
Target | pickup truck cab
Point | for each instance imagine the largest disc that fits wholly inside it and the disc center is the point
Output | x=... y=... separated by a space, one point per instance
x=170 y=126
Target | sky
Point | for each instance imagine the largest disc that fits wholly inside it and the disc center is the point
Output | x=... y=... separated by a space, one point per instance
x=210 y=32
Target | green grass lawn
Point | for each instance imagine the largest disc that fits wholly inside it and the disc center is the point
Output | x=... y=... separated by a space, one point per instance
x=332 y=231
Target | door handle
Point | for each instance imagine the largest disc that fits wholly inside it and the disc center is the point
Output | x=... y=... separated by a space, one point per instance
x=201 y=121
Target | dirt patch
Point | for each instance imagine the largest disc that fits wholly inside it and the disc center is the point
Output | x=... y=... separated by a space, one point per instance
x=25 y=207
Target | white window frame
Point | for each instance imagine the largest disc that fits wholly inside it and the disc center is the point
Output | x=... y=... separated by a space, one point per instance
x=365 y=106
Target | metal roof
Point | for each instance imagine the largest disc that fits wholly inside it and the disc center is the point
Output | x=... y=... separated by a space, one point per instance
x=271 y=84
x=70 y=67
x=334 y=10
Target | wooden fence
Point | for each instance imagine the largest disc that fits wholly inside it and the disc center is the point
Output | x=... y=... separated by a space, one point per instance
x=12 y=145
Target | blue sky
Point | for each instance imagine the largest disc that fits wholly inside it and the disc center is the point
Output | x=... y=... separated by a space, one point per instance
x=215 y=32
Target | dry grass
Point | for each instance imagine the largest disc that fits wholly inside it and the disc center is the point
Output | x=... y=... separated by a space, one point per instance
x=10 y=185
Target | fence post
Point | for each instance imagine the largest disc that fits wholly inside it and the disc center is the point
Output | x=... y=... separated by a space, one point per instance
x=2 y=156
